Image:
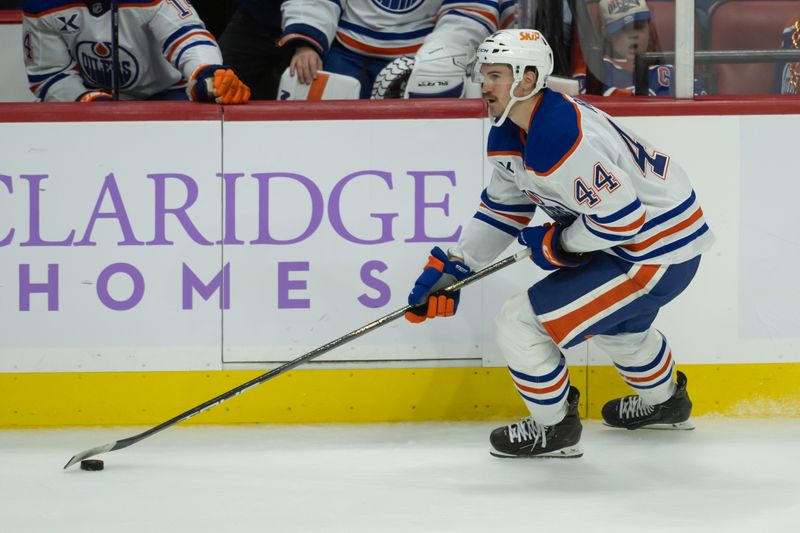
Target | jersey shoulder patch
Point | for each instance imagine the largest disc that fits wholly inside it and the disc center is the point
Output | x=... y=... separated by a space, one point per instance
x=554 y=133
x=505 y=140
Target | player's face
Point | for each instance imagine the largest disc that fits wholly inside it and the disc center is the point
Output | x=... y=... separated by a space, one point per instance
x=496 y=86
x=631 y=39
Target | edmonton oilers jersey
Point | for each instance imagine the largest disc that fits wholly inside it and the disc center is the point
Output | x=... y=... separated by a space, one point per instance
x=613 y=190
x=67 y=47
x=392 y=28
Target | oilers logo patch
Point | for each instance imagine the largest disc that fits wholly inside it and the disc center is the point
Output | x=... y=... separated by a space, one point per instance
x=95 y=61
x=555 y=210
x=398 y=6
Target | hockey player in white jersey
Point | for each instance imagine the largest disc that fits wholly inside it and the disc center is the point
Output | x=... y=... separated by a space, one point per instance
x=358 y=38
x=164 y=52
x=626 y=238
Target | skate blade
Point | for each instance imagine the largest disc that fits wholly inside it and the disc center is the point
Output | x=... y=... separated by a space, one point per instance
x=570 y=452
x=684 y=426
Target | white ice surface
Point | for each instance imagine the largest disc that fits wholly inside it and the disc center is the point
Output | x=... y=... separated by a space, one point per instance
x=725 y=476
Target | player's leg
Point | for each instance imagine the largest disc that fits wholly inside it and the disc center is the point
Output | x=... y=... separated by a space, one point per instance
x=540 y=374
x=618 y=313
x=645 y=362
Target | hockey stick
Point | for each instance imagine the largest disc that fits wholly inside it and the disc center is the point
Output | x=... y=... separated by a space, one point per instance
x=124 y=443
x=115 y=70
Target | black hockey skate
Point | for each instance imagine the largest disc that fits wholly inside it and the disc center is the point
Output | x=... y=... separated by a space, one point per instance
x=529 y=439
x=630 y=412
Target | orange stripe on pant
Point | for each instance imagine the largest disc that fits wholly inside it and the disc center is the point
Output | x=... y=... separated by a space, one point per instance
x=543 y=390
x=560 y=327
x=653 y=376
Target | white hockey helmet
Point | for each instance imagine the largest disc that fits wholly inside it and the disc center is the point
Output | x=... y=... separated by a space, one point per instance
x=519 y=49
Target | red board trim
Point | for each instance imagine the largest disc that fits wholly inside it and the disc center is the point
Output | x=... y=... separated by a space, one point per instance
x=10 y=16
x=374 y=109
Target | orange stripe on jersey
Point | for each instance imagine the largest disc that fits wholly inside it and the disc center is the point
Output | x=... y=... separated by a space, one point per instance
x=638 y=246
x=652 y=376
x=189 y=36
x=516 y=218
x=560 y=327
x=288 y=37
x=318 y=87
x=485 y=14
x=544 y=390
x=632 y=226
x=504 y=152
x=349 y=41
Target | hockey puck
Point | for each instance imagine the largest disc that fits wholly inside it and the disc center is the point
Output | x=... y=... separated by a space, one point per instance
x=92 y=464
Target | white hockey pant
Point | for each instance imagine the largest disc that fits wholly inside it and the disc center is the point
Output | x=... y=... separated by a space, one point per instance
x=539 y=370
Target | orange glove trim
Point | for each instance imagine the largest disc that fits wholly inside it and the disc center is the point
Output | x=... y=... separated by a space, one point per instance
x=434 y=263
x=414 y=319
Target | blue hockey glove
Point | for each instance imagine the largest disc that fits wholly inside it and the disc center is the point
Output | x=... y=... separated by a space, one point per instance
x=546 y=250
x=428 y=295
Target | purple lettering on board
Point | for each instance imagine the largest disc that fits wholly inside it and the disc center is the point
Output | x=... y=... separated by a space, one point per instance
x=161 y=210
x=119 y=213
x=26 y=288
x=220 y=282
x=317 y=205
x=10 y=235
x=229 y=195
x=136 y=294
x=420 y=205
x=384 y=292
x=285 y=285
x=34 y=216
x=335 y=216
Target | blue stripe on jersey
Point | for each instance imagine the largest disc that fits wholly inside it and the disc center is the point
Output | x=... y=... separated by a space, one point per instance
x=497 y=224
x=32 y=79
x=552 y=133
x=604 y=235
x=663 y=380
x=664 y=249
x=476 y=18
x=177 y=60
x=649 y=366
x=384 y=35
x=622 y=213
x=549 y=401
x=53 y=80
x=177 y=33
x=520 y=208
x=506 y=5
x=310 y=31
x=672 y=213
x=36 y=7
x=540 y=379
